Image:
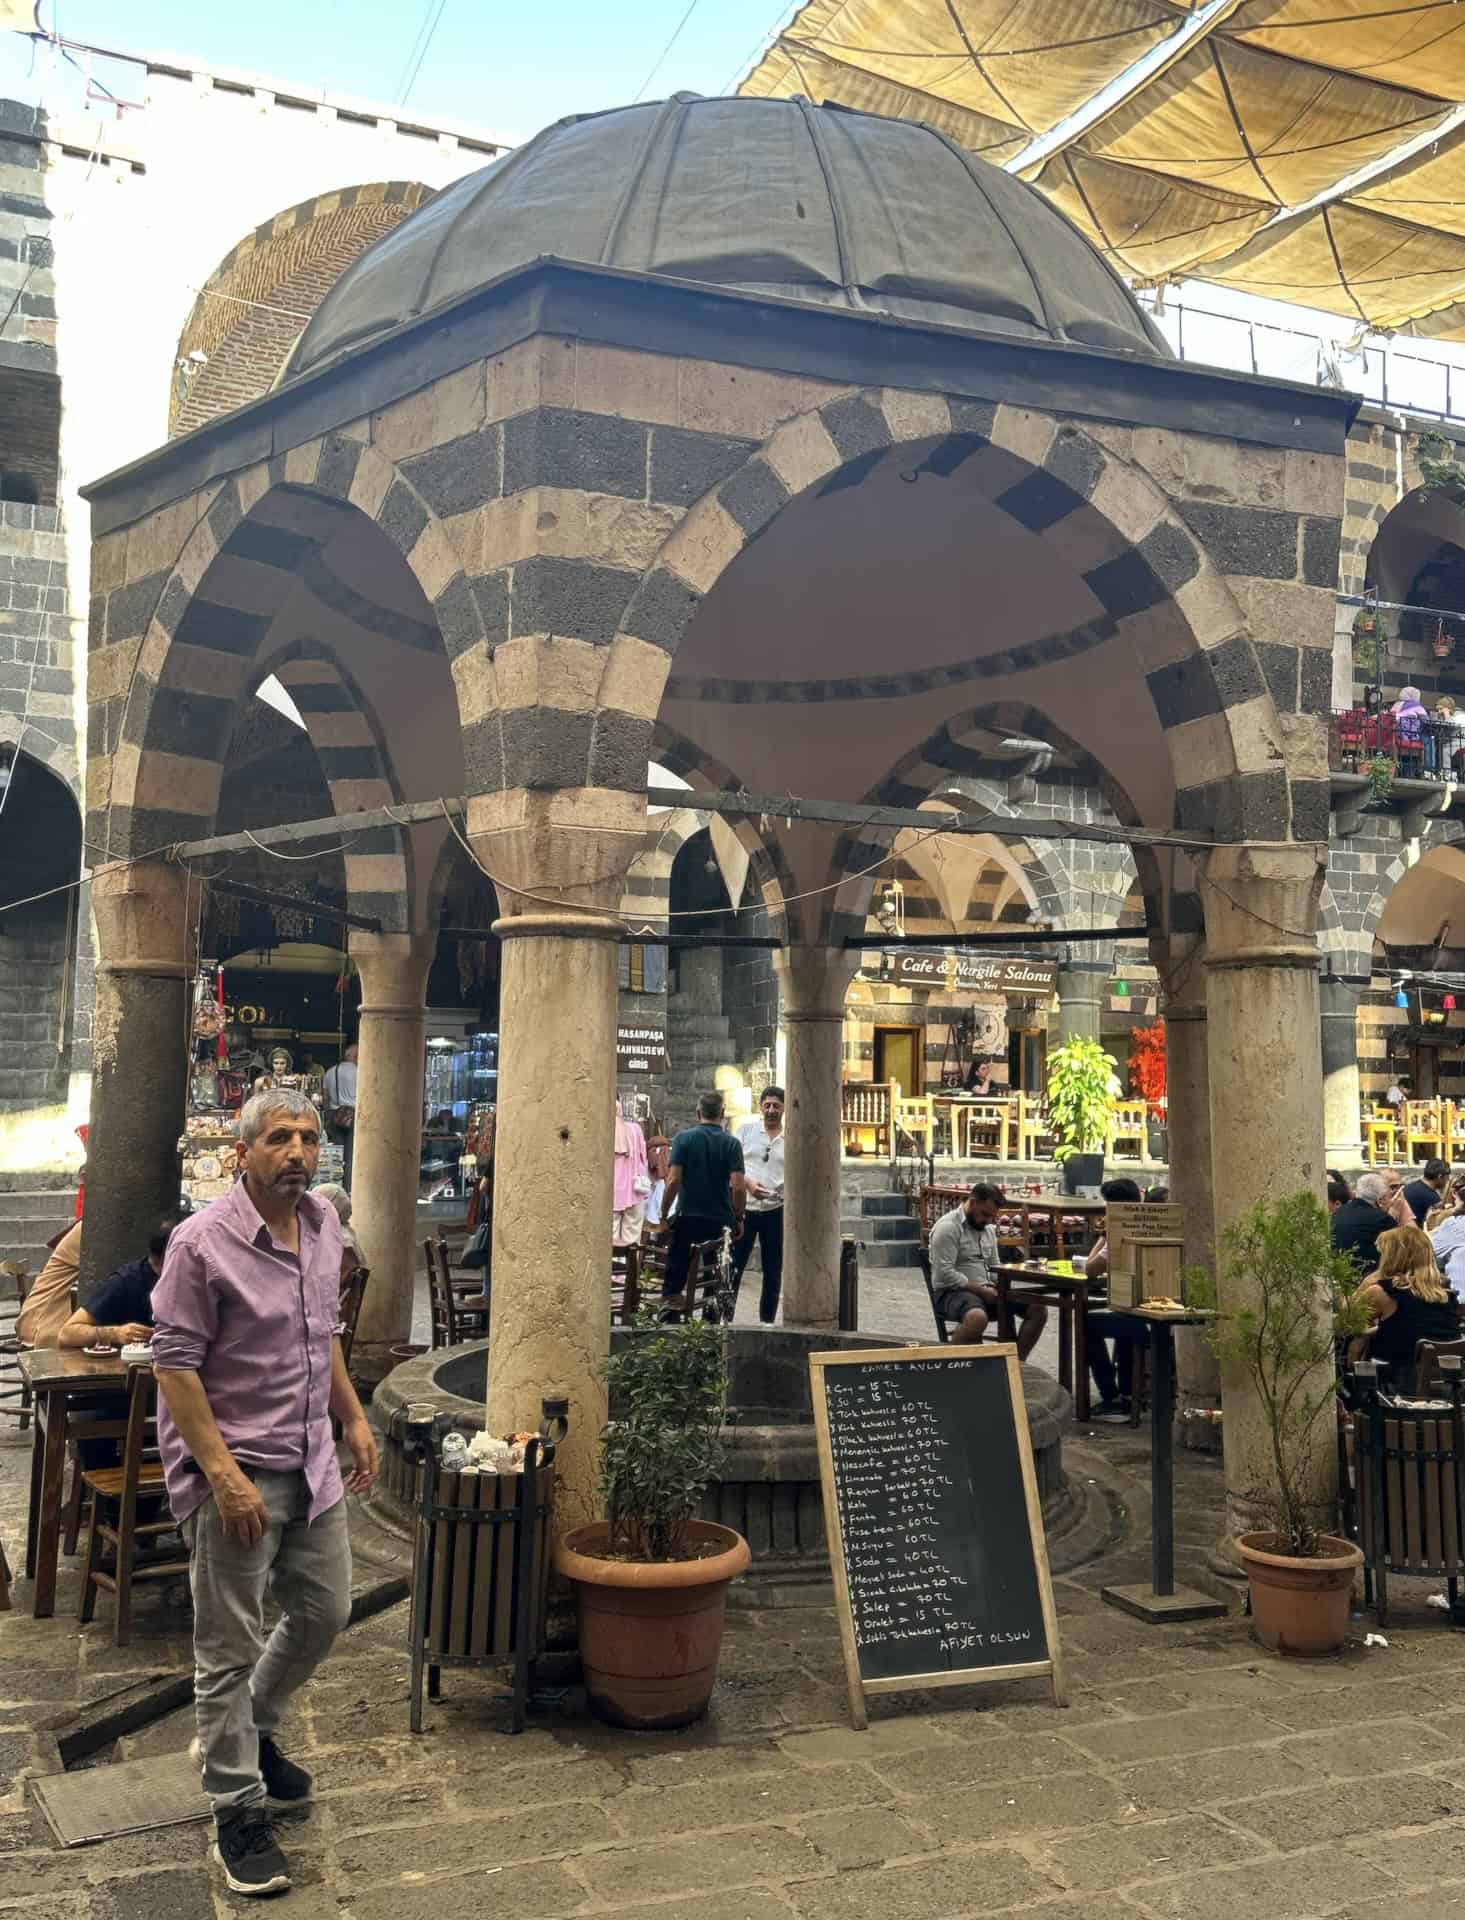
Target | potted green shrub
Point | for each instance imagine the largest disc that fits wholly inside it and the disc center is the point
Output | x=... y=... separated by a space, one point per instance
x=651 y=1579
x=1082 y=1088
x=1282 y=1342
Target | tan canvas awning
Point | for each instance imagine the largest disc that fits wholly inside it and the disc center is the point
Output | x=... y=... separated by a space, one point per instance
x=1233 y=156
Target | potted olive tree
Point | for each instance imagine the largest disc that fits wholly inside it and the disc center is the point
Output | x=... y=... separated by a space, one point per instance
x=1300 y=1302
x=650 y=1579
x=1082 y=1088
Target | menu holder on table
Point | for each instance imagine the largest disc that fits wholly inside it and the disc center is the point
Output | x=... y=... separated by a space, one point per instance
x=935 y=1531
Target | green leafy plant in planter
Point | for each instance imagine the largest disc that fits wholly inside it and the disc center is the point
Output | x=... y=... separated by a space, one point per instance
x=651 y=1579
x=1082 y=1089
x=1379 y=773
x=1439 y=465
x=1299 y=1296
x=664 y=1447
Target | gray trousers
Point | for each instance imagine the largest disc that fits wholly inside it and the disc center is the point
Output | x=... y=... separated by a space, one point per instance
x=241 y=1682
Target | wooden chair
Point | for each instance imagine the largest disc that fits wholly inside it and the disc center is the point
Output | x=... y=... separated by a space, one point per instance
x=1454 y=1119
x=15 y=1393
x=625 y=1285
x=943 y=1332
x=115 y=1492
x=1423 y=1127
x=913 y=1117
x=1426 y=1362
x=353 y=1292
x=84 y=1426
x=1027 y=1126
x=701 y=1293
x=455 y=1318
x=865 y=1108
x=1128 y=1128
x=1381 y=1137
x=983 y=1129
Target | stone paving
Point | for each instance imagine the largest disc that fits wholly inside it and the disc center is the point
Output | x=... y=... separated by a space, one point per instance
x=1191 y=1774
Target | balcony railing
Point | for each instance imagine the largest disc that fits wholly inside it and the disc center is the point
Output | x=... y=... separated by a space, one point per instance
x=1414 y=749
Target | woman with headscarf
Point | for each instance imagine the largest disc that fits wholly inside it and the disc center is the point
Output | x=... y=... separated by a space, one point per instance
x=340 y=1199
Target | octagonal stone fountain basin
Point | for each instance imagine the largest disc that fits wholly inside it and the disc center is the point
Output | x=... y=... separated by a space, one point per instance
x=769 y=1485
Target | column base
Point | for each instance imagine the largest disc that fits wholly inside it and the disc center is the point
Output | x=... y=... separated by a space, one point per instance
x=1185 y=1603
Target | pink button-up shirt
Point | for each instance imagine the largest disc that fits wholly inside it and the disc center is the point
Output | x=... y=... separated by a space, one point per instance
x=255 y=1322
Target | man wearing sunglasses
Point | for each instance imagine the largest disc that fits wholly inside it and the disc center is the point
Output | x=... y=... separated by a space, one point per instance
x=762 y=1144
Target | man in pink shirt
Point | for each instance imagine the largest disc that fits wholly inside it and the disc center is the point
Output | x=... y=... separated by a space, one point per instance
x=249 y=1373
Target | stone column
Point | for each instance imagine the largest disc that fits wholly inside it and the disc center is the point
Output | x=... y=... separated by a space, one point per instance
x=146 y=916
x=813 y=982
x=1082 y=984
x=388 y=1147
x=1188 y=1083
x=558 y=862
x=1265 y=1063
x=1342 y=1112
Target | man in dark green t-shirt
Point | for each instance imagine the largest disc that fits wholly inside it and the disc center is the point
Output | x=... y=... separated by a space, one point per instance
x=706 y=1182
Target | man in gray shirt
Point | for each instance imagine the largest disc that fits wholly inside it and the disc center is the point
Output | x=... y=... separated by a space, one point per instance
x=964 y=1261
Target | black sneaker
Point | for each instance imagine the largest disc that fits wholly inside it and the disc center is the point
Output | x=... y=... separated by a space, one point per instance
x=283 y=1779
x=245 y=1848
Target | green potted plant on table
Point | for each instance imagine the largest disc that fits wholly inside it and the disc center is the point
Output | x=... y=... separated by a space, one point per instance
x=1082 y=1088
x=1300 y=1302
x=650 y=1579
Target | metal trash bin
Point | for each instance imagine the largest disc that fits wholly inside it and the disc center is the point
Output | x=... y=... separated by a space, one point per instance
x=480 y=1559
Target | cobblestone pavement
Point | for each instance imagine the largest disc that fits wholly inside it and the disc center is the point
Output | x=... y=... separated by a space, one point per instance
x=1191 y=1775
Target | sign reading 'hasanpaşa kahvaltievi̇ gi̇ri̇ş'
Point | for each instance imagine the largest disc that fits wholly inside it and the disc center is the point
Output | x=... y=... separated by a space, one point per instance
x=931 y=1509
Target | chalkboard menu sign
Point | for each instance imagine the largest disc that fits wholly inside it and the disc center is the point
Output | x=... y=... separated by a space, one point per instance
x=931 y=1508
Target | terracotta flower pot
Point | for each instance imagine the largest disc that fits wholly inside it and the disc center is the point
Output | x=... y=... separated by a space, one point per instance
x=651 y=1631
x=1300 y=1606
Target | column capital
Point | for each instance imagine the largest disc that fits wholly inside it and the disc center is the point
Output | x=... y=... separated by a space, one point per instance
x=565 y=850
x=394 y=969
x=813 y=981
x=1261 y=900
x=147 y=917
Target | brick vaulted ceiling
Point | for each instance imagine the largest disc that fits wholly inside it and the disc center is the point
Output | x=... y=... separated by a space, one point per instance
x=251 y=311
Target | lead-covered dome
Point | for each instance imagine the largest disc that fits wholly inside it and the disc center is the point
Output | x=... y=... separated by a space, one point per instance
x=778 y=198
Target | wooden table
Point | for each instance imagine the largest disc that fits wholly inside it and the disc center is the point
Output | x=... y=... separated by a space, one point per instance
x=58 y=1379
x=1069 y=1292
x=1162 y=1600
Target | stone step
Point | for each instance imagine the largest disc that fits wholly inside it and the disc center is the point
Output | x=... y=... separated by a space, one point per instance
x=51 y=1180
x=882 y=1230
x=890 y=1253
x=31 y=1258
x=875 y=1203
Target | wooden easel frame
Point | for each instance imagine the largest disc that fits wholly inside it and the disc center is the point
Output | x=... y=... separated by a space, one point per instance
x=859 y=1687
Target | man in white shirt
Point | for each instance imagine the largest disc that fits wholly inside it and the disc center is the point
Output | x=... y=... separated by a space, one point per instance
x=340 y=1097
x=762 y=1144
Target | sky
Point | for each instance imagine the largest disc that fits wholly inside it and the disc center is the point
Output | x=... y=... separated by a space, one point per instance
x=504 y=68
x=508 y=70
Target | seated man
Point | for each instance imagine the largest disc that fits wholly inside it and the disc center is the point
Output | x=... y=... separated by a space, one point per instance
x=1113 y=1374
x=49 y=1301
x=120 y=1315
x=964 y=1260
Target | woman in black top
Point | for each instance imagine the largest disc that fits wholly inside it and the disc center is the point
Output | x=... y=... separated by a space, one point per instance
x=1409 y=1300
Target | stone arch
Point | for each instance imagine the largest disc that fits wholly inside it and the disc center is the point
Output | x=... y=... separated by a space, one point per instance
x=1156 y=585
x=647 y=893
x=251 y=309
x=767 y=866
x=350 y=746
x=24 y=735
x=193 y=629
